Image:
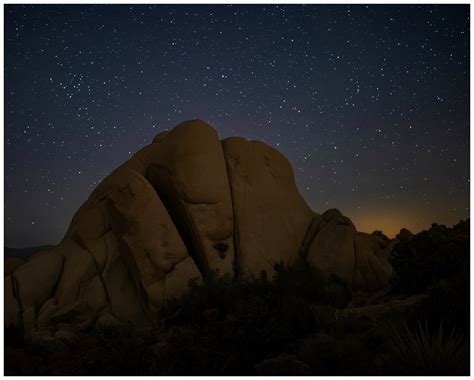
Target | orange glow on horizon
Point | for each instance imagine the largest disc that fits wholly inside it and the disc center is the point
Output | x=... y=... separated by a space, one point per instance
x=390 y=221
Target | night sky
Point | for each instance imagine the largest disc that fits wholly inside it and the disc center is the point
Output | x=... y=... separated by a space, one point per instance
x=369 y=103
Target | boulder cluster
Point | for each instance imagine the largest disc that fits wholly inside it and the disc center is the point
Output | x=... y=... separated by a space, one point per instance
x=186 y=205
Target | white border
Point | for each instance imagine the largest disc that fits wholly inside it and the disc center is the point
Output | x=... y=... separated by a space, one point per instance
x=200 y=2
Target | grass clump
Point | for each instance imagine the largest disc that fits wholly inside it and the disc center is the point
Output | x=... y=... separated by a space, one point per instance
x=422 y=351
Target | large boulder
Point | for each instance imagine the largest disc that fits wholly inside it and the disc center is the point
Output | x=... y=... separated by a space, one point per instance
x=189 y=174
x=182 y=207
x=270 y=216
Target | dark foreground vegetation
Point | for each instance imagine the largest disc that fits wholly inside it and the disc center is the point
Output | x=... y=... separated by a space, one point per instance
x=294 y=323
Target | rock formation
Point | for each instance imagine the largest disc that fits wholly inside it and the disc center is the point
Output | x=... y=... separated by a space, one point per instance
x=183 y=206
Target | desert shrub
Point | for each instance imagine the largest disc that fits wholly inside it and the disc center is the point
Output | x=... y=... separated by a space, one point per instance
x=336 y=292
x=121 y=346
x=325 y=318
x=184 y=350
x=287 y=295
x=114 y=333
x=422 y=351
x=299 y=278
x=255 y=318
x=429 y=257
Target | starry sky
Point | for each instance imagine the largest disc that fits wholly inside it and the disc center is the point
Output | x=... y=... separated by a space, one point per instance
x=369 y=103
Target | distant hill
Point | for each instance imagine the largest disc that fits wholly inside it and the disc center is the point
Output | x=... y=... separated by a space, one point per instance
x=24 y=253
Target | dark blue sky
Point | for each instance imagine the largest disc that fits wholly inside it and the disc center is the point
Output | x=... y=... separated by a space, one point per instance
x=369 y=103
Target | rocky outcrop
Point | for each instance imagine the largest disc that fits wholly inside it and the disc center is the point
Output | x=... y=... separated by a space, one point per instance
x=186 y=205
x=386 y=310
x=335 y=247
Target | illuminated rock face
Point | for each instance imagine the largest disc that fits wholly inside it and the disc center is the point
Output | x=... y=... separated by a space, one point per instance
x=270 y=216
x=181 y=207
x=339 y=249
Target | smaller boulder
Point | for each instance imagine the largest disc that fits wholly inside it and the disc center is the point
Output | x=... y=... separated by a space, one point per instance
x=107 y=320
x=65 y=336
x=48 y=309
x=283 y=365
